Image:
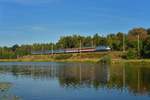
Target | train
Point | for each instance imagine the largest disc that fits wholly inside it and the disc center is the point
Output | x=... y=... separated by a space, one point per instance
x=72 y=50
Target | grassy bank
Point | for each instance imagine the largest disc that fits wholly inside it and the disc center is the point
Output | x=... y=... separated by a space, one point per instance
x=133 y=61
x=113 y=57
x=84 y=57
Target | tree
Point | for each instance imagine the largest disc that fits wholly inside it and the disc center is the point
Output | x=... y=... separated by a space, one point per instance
x=148 y=31
x=110 y=40
x=146 y=49
x=136 y=40
x=115 y=41
x=96 y=39
x=137 y=31
x=14 y=47
x=87 y=42
x=139 y=35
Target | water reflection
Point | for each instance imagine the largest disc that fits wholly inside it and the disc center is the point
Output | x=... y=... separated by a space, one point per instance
x=4 y=86
x=125 y=77
x=4 y=92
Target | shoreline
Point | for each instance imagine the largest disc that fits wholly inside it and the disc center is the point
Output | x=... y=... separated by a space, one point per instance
x=113 y=61
x=49 y=60
x=109 y=57
x=131 y=61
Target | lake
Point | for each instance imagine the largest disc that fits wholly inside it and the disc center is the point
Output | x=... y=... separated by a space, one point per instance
x=73 y=81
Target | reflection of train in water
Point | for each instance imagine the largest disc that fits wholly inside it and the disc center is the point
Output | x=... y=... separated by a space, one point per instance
x=73 y=50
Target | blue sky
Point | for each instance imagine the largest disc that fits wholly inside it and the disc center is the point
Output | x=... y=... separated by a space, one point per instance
x=41 y=21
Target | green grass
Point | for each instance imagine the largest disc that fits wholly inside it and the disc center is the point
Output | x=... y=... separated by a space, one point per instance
x=113 y=57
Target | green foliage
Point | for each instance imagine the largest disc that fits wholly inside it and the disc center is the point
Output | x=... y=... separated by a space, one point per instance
x=148 y=31
x=115 y=41
x=15 y=47
x=131 y=54
x=146 y=50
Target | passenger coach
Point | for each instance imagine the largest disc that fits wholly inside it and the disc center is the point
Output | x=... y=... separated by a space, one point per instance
x=73 y=50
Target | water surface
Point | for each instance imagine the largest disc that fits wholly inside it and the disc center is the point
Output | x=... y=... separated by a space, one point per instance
x=73 y=81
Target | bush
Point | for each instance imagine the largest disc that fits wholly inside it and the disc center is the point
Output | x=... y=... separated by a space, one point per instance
x=131 y=54
x=146 y=49
x=146 y=54
x=62 y=56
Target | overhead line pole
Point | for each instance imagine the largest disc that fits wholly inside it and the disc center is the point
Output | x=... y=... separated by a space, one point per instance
x=42 y=51
x=52 y=49
x=80 y=46
x=138 y=45
x=123 y=42
x=92 y=44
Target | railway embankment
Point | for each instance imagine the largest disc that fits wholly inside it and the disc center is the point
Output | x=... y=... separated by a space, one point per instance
x=111 y=57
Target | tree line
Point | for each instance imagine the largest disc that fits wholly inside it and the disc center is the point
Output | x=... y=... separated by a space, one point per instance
x=134 y=44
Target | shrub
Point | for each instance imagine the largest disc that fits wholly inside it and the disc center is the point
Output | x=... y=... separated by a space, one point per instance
x=131 y=54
